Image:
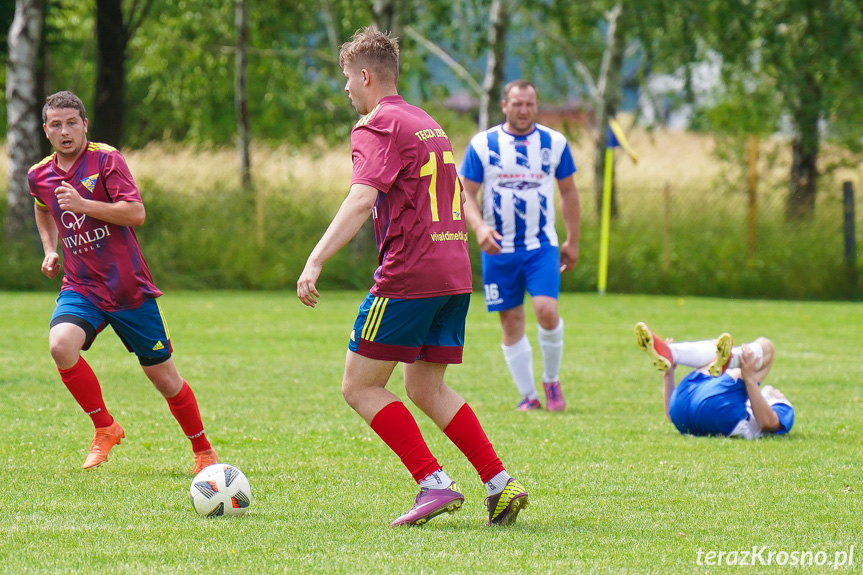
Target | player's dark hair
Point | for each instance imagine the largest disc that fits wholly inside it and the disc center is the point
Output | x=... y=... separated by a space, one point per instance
x=520 y=84
x=63 y=99
x=371 y=49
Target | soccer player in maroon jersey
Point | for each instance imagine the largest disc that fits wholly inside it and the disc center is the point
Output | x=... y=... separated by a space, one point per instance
x=87 y=199
x=404 y=174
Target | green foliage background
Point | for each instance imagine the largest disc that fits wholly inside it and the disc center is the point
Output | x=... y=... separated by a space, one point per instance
x=208 y=241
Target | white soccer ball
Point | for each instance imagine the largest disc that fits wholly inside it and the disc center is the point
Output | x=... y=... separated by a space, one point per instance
x=220 y=489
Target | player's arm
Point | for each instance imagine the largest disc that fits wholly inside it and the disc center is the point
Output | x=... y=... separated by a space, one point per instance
x=48 y=236
x=122 y=213
x=570 y=208
x=486 y=236
x=348 y=220
x=667 y=390
x=764 y=414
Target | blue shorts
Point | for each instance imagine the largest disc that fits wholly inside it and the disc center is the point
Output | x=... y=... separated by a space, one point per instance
x=505 y=277
x=142 y=330
x=406 y=330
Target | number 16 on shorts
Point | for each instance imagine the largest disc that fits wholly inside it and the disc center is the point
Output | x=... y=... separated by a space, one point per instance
x=492 y=295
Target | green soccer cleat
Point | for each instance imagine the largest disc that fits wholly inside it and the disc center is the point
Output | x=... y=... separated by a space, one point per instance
x=503 y=508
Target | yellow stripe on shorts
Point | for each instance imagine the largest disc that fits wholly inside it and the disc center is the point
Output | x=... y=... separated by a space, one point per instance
x=164 y=323
x=382 y=308
x=373 y=321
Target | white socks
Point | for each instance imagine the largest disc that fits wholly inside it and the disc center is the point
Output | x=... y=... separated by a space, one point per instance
x=436 y=480
x=737 y=351
x=496 y=484
x=551 y=345
x=700 y=353
x=693 y=353
x=439 y=480
x=519 y=359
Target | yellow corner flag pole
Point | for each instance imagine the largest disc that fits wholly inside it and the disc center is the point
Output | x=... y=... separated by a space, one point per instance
x=616 y=138
x=606 y=220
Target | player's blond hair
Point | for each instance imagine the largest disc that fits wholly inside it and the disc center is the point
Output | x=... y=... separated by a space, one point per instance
x=371 y=49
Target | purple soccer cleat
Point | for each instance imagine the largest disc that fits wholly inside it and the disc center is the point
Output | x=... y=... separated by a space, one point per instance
x=554 y=396
x=528 y=404
x=429 y=504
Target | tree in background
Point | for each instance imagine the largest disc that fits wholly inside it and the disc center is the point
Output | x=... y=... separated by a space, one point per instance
x=113 y=32
x=492 y=83
x=594 y=37
x=810 y=55
x=22 y=101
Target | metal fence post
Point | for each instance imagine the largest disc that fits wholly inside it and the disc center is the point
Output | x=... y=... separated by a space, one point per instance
x=850 y=237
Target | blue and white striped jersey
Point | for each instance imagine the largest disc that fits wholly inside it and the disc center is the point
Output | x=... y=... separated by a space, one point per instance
x=518 y=174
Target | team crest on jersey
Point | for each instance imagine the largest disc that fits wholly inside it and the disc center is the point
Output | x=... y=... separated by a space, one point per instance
x=519 y=185
x=90 y=182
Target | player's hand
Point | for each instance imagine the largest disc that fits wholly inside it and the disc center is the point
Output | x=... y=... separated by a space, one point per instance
x=488 y=239
x=306 y=291
x=51 y=265
x=69 y=198
x=568 y=256
x=748 y=363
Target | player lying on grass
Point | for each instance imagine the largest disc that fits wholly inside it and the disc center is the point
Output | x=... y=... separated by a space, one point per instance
x=722 y=396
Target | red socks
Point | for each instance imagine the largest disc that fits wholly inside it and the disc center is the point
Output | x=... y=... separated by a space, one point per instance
x=184 y=406
x=398 y=428
x=84 y=387
x=467 y=434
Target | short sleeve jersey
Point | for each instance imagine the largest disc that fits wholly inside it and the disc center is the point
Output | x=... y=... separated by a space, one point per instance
x=705 y=405
x=102 y=261
x=749 y=429
x=402 y=152
x=518 y=173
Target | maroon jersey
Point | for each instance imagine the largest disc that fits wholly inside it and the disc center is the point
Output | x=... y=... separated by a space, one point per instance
x=102 y=261
x=420 y=230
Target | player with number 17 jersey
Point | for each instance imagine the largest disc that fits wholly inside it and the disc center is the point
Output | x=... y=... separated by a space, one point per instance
x=421 y=234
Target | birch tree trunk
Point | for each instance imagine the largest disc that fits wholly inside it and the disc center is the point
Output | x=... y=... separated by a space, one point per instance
x=23 y=128
x=492 y=83
x=241 y=107
x=608 y=102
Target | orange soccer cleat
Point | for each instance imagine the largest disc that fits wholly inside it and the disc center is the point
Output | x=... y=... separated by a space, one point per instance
x=104 y=439
x=204 y=459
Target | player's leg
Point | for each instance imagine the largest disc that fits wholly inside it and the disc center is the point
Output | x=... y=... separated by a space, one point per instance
x=518 y=355
x=363 y=389
x=145 y=333
x=655 y=347
x=728 y=357
x=184 y=407
x=74 y=325
x=767 y=354
x=551 y=347
x=387 y=331
x=424 y=383
x=504 y=285
x=667 y=353
x=542 y=280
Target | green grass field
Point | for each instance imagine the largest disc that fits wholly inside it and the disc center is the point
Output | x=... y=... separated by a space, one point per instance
x=613 y=487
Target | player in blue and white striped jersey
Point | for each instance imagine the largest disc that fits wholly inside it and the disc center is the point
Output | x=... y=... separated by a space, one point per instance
x=517 y=164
